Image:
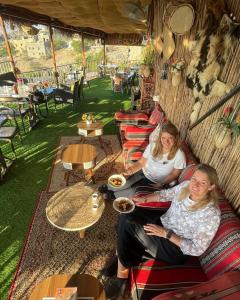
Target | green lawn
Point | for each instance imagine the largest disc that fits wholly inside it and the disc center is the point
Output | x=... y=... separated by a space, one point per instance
x=29 y=174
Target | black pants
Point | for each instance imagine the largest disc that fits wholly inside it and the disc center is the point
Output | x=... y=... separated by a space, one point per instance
x=134 y=182
x=134 y=245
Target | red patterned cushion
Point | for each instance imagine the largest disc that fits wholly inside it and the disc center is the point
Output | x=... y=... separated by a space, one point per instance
x=156 y=117
x=123 y=116
x=138 y=132
x=187 y=173
x=133 y=150
x=154 y=277
x=190 y=158
x=224 y=287
x=223 y=254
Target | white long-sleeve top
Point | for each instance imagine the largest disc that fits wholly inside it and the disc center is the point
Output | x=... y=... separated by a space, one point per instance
x=195 y=228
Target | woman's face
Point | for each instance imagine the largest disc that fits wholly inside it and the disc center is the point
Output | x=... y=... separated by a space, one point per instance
x=167 y=140
x=199 y=185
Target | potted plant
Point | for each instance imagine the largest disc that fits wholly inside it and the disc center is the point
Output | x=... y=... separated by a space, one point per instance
x=88 y=118
x=176 y=70
x=228 y=126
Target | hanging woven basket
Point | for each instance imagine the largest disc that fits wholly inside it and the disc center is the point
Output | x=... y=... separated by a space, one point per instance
x=223 y=137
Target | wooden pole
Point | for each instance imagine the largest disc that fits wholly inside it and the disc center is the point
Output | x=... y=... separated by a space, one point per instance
x=83 y=55
x=104 y=52
x=228 y=96
x=53 y=55
x=8 y=46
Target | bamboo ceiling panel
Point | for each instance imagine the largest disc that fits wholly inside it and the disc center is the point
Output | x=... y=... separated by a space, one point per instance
x=109 y=16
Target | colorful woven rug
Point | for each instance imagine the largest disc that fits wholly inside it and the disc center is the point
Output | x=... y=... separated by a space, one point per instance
x=49 y=250
x=109 y=161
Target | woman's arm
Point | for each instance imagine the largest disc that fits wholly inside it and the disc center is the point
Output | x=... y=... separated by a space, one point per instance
x=134 y=168
x=169 y=178
x=152 y=229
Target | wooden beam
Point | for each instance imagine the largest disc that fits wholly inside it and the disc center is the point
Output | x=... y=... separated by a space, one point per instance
x=53 y=55
x=104 y=52
x=8 y=46
x=83 y=54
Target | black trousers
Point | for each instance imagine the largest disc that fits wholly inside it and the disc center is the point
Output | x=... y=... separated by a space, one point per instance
x=135 y=246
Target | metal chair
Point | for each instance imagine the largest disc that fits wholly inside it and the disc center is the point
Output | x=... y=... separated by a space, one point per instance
x=7 y=133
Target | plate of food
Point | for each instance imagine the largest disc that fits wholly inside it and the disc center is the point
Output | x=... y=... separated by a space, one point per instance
x=116 y=181
x=123 y=205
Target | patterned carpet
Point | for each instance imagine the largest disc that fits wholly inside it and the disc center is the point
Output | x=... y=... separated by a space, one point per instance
x=49 y=250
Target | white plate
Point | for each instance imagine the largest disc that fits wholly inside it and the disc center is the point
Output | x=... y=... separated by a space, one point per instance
x=117 y=176
x=117 y=201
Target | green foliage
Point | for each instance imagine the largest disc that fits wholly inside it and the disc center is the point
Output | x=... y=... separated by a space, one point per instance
x=3 y=49
x=149 y=55
x=77 y=46
x=59 y=44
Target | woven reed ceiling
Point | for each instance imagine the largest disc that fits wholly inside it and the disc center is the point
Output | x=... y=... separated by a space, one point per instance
x=109 y=16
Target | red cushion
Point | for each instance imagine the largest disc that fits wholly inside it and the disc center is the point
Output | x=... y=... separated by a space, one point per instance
x=187 y=173
x=223 y=254
x=138 y=132
x=224 y=287
x=158 y=277
x=156 y=117
x=123 y=116
x=190 y=158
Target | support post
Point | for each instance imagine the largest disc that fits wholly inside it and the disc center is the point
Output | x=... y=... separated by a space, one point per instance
x=104 y=52
x=83 y=55
x=53 y=55
x=8 y=46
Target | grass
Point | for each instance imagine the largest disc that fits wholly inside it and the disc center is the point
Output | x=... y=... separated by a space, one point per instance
x=29 y=174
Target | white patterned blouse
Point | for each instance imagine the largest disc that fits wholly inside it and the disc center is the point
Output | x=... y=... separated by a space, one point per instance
x=195 y=228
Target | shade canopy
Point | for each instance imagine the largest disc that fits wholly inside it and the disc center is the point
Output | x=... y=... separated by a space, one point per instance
x=106 y=16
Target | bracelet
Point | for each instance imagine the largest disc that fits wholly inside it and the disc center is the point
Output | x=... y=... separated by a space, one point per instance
x=169 y=234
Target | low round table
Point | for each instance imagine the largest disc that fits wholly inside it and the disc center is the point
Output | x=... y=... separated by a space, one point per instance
x=71 y=209
x=80 y=154
x=87 y=286
x=94 y=129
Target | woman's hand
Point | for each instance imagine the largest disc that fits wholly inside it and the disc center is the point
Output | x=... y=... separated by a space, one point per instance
x=152 y=229
x=128 y=172
x=157 y=185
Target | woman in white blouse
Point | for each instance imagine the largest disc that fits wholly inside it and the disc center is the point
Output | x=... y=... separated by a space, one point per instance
x=161 y=163
x=187 y=228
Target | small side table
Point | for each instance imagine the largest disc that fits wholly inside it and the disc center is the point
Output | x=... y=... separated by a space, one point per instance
x=87 y=286
x=71 y=209
x=94 y=129
x=80 y=154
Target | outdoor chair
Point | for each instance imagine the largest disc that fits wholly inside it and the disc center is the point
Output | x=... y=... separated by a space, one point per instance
x=7 y=133
x=38 y=98
x=62 y=97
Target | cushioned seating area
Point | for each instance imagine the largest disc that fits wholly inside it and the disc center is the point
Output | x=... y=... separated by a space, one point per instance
x=225 y=287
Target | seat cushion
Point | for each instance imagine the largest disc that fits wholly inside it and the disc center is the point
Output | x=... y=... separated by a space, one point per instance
x=7 y=132
x=223 y=254
x=123 y=116
x=156 y=117
x=190 y=158
x=134 y=132
x=154 y=277
x=187 y=173
x=224 y=287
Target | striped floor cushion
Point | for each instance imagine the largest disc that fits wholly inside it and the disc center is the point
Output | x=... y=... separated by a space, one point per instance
x=136 y=133
x=223 y=254
x=128 y=117
x=153 y=277
x=225 y=287
x=133 y=150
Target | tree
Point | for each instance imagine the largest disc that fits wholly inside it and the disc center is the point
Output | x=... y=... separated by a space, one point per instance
x=60 y=44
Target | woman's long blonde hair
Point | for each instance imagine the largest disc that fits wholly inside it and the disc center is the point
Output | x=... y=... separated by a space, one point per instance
x=157 y=151
x=212 y=196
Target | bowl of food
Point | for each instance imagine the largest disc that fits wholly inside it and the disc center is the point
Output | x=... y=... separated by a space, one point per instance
x=123 y=205
x=116 y=181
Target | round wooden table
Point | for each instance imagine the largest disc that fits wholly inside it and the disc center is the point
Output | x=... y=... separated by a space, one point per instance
x=94 y=129
x=71 y=209
x=80 y=154
x=87 y=286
